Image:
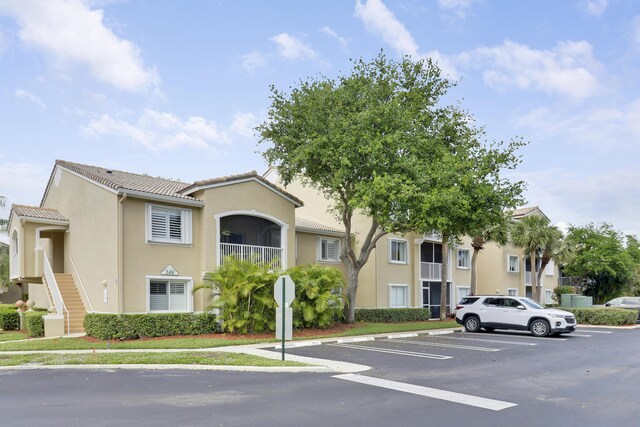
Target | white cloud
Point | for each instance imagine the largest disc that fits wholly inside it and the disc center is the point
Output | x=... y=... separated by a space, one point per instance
x=568 y=69
x=328 y=31
x=159 y=131
x=378 y=19
x=22 y=183
x=72 y=33
x=596 y=7
x=254 y=61
x=459 y=8
x=23 y=94
x=292 y=48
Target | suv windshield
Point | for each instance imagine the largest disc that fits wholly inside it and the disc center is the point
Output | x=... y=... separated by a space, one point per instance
x=531 y=303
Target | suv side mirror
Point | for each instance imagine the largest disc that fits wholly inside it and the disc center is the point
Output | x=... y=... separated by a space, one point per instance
x=521 y=307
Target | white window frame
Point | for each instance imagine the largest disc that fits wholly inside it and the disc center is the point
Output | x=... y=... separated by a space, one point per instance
x=392 y=286
x=463 y=267
x=517 y=270
x=458 y=288
x=549 y=269
x=188 y=281
x=186 y=231
x=403 y=242
x=514 y=294
x=334 y=240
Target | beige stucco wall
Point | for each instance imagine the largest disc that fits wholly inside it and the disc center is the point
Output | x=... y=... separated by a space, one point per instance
x=92 y=240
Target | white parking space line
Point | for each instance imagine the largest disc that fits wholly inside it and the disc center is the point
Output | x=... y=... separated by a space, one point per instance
x=581 y=335
x=398 y=352
x=523 y=336
x=490 y=341
x=449 y=396
x=436 y=344
x=595 y=332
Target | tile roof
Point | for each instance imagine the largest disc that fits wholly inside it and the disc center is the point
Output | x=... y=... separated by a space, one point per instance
x=240 y=177
x=119 y=180
x=38 y=213
x=522 y=212
x=303 y=224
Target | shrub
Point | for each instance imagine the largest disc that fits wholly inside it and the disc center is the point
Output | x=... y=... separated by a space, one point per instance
x=9 y=319
x=318 y=302
x=604 y=316
x=392 y=315
x=245 y=295
x=35 y=323
x=132 y=326
x=560 y=290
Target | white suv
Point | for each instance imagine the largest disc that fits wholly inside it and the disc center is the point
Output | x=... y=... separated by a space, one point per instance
x=509 y=312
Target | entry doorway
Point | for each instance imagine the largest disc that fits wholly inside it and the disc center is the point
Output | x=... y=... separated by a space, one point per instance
x=431 y=292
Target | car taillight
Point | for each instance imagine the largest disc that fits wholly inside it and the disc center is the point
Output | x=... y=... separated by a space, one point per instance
x=458 y=307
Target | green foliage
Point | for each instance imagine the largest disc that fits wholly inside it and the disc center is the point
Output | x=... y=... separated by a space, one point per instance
x=561 y=290
x=245 y=295
x=604 y=316
x=9 y=318
x=133 y=326
x=318 y=302
x=601 y=262
x=35 y=323
x=4 y=265
x=392 y=315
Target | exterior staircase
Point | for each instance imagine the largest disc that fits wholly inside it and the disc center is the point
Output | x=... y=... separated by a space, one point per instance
x=72 y=301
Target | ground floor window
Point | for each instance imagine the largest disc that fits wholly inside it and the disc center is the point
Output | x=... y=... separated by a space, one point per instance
x=463 y=292
x=169 y=294
x=512 y=292
x=398 y=296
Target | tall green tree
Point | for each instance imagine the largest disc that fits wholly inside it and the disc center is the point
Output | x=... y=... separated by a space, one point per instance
x=463 y=191
x=601 y=261
x=3 y=221
x=539 y=239
x=498 y=233
x=359 y=139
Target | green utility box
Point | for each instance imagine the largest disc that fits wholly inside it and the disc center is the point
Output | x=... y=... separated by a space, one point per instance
x=575 y=301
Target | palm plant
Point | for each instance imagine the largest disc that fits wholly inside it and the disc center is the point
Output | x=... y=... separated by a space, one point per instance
x=537 y=236
x=499 y=234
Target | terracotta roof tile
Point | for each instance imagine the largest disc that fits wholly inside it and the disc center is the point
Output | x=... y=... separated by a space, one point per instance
x=38 y=213
x=303 y=224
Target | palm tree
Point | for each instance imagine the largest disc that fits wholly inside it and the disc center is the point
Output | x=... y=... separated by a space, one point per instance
x=536 y=236
x=498 y=233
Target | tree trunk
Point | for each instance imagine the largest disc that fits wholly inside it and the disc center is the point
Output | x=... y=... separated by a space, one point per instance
x=352 y=286
x=535 y=291
x=444 y=273
x=474 y=280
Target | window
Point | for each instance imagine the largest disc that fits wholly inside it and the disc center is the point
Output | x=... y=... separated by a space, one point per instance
x=398 y=296
x=513 y=263
x=512 y=292
x=548 y=296
x=463 y=258
x=14 y=243
x=463 y=292
x=328 y=249
x=169 y=295
x=397 y=251
x=168 y=225
x=549 y=269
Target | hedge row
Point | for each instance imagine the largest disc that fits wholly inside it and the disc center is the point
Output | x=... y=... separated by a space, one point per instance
x=9 y=320
x=35 y=323
x=604 y=316
x=133 y=326
x=391 y=315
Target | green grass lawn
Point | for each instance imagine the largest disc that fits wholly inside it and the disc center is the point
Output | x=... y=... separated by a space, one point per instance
x=12 y=335
x=209 y=342
x=187 y=358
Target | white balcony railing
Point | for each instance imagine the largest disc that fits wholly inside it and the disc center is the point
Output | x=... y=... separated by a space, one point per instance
x=52 y=284
x=263 y=254
x=433 y=271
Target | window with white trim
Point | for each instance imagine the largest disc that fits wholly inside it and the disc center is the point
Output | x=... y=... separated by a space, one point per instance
x=549 y=269
x=548 y=296
x=328 y=249
x=168 y=295
x=168 y=225
x=463 y=292
x=513 y=263
x=398 y=296
x=397 y=251
x=464 y=259
x=14 y=243
x=512 y=292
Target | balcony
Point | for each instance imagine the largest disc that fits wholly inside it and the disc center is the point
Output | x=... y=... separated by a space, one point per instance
x=261 y=254
x=527 y=278
x=432 y=271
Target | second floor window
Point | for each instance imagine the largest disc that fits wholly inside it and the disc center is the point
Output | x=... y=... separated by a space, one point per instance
x=513 y=264
x=464 y=260
x=168 y=225
x=398 y=251
x=328 y=249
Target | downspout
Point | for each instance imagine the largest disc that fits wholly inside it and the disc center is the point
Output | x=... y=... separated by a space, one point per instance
x=120 y=279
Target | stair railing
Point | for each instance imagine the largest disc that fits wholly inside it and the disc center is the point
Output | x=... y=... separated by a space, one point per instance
x=78 y=279
x=52 y=284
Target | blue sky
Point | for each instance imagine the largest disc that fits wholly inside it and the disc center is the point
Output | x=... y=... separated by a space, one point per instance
x=174 y=89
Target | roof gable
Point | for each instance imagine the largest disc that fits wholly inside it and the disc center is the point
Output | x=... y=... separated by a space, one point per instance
x=527 y=211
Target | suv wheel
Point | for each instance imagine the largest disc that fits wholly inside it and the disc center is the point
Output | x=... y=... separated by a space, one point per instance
x=540 y=328
x=472 y=324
